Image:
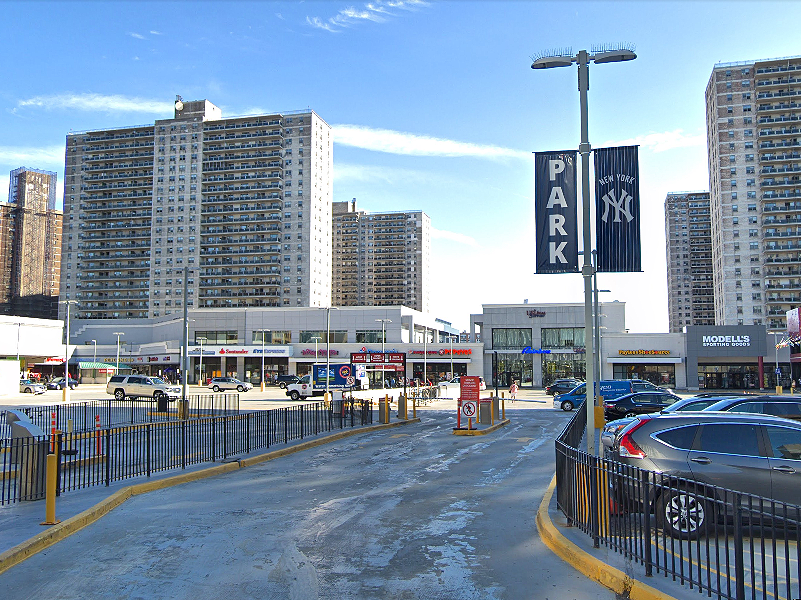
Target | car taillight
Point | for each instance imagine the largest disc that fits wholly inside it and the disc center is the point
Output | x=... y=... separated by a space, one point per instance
x=627 y=447
x=608 y=405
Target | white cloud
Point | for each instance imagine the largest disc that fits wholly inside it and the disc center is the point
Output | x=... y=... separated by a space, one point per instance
x=154 y=32
x=22 y=156
x=663 y=141
x=375 y=12
x=138 y=36
x=398 y=142
x=94 y=102
x=452 y=236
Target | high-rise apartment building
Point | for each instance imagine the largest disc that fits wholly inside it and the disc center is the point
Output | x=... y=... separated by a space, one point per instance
x=380 y=259
x=754 y=148
x=30 y=245
x=242 y=203
x=688 y=238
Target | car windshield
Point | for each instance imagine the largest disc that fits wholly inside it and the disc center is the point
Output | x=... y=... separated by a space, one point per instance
x=158 y=381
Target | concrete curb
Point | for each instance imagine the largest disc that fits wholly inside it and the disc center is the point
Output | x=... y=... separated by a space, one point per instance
x=56 y=533
x=588 y=565
x=489 y=429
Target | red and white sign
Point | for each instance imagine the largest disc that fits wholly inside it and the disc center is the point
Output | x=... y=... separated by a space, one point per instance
x=469 y=409
x=469 y=387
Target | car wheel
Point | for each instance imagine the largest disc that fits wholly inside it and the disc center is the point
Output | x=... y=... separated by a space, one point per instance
x=119 y=395
x=567 y=405
x=631 y=414
x=683 y=514
x=282 y=385
x=28 y=390
x=295 y=395
x=240 y=388
x=216 y=388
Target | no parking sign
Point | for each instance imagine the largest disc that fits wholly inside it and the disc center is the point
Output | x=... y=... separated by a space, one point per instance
x=469 y=409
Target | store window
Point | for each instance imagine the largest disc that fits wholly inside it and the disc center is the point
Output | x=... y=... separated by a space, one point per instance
x=217 y=337
x=563 y=337
x=369 y=336
x=506 y=339
x=659 y=375
x=337 y=337
x=272 y=337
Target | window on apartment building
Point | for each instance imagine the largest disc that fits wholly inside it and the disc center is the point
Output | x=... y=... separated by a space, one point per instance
x=730 y=121
x=731 y=134
x=753 y=246
x=733 y=170
x=739 y=297
x=751 y=194
x=746 y=108
x=749 y=170
x=753 y=233
x=748 y=132
x=747 y=96
x=732 y=158
x=747 y=120
x=734 y=197
x=750 y=182
x=729 y=109
x=752 y=220
x=728 y=97
x=733 y=183
x=749 y=158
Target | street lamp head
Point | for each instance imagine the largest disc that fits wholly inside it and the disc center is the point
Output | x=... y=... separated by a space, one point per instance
x=621 y=55
x=550 y=62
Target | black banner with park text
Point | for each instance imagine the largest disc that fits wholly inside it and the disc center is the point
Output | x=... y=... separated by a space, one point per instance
x=556 y=212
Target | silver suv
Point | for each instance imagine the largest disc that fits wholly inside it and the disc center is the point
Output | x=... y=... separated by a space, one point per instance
x=141 y=386
x=229 y=383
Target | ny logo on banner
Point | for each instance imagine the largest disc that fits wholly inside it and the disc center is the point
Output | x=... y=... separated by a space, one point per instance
x=610 y=200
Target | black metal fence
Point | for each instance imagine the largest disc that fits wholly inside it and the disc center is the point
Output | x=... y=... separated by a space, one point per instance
x=99 y=457
x=719 y=542
x=85 y=416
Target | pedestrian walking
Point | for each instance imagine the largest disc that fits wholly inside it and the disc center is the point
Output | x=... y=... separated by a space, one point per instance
x=513 y=391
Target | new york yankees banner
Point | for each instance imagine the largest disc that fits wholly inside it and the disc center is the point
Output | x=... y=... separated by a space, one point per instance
x=556 y=212
x=617 y=209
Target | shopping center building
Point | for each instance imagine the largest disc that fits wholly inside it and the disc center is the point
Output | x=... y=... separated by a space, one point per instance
x=238 y=342
x=539 y=343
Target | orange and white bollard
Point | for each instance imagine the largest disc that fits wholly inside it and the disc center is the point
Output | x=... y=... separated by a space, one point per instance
x=52 y=432
x=97 y=435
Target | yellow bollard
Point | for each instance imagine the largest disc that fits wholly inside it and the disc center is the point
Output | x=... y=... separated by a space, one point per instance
x=325 y=400
x=414 y=407
x=50 y=490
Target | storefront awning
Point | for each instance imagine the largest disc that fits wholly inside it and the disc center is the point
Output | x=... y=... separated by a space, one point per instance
x=644 y=360
x=99 y=365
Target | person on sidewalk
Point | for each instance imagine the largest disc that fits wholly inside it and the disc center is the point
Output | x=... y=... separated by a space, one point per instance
x=513 y=391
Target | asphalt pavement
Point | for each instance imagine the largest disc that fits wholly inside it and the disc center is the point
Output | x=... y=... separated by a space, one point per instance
x=411 y=512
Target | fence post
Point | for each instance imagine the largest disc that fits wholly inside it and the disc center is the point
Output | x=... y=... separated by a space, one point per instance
x=739 y=567
x=269 y=412
x=594 y=512
x=183 y=443
x=108 y=456
x=645 y=494
x=301 y=421
x=213 y=439
x=247 y=432
x=286 y=426
x=148 y=439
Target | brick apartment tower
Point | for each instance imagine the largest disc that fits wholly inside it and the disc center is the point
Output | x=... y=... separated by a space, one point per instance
x=380 y=259
x=243 y=203
x=30 y=246
x=688 y=235
x=754 y=148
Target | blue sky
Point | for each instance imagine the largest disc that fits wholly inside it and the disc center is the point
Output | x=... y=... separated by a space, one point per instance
x=433 y=106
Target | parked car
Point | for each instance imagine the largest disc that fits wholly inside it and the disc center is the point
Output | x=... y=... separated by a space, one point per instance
x=285 y=380
x=219 y=384
x=638 y=403
x=58 y=384
x=609 y=388
x=788 y=407
x=141 y=386
x=694 y=403
x=562 y=386
x=751 y=453
x=455 y=381
x=28 y=386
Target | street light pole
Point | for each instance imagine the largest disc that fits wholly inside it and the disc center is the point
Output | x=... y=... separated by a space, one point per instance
x=262 y=331
x=383 y=339
x=450 y=337
x=425 y=354
x=66 y=391
x=583 y=59
x=200 y=364
x=327 y=351
x=117 y=366
x=776 y=350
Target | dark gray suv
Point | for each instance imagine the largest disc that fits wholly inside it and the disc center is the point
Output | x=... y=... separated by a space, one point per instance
x=751 y=453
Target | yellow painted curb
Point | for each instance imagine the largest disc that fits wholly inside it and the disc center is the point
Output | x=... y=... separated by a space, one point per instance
x=56 y=533
x=489 y=429
x=588 y=565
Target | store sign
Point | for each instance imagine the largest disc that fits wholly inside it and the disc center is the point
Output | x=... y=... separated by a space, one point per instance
x=310 y=352
x=54 y=360
x=643 y=352
x=535 y=313
x=230 y=351
x=444 y=352
x=726 y=340
x=378 y=357
x=530 y=350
